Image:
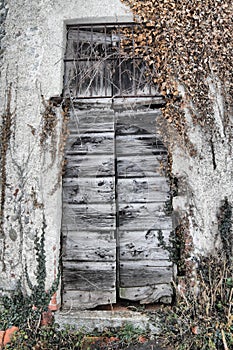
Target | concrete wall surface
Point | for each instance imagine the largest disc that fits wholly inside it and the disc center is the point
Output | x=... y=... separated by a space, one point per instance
x=33 y=37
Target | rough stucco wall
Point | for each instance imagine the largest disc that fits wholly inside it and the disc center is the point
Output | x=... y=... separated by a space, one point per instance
x=205 y=179
x=32 y=66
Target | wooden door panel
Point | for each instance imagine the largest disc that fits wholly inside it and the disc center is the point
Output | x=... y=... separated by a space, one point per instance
x=84 y=300
x=145 y=273
x=139 y=144
x=145 y=270
x=89 y=217
x=89 y=190
x=148 y=294
x=91 y=143
x=140 y=122
x=138 y=166
x=92 y=120
x=149 y=189
x=90 y=275
x=90 y=165
x=89 y=211
x=145 y=237
x=78 y=246
x=143 y=216
x=90 y=235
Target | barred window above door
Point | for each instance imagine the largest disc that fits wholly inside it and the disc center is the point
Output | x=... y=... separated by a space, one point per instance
x=103 y=61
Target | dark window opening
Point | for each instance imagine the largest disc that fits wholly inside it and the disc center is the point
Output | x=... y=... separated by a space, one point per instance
x=105 y=61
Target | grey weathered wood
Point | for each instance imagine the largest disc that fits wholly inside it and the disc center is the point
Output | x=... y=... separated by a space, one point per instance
x=90 y=165
x=91 y=120
x=143 y=216
x=144 y=237
x=138 y=166
x=149 y=189
x=89 y=190
x=89 y=246
x=88 y=217
x=136 y=145
x=122 y=104
x=91 y=143
x=143 y=120
x=89 y=210
x=144 y=273
x=89 y=275
x=147 y=294
x=82 y=299
x=133 y=251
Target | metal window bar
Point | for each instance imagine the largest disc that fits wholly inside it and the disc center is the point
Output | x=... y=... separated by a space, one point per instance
x=99 y=64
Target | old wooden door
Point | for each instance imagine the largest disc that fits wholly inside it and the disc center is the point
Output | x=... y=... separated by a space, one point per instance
x=114 y=198
x=114 y=189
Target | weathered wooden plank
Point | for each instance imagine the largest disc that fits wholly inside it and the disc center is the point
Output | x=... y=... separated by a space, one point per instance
x=139 y=144
x=144 y=237
x=141 y=121
x=89 y=190
x=91 y=121
x=139 y=166
x=82 y=299
x=91 y=143
x=147 y=294
x=89 y=165
x=143 y=216
x=89 y=275
x=150 y=189
x=145 y=102
x=89 y=246
x=88 y=217
x=144 y=273
x=132 y=250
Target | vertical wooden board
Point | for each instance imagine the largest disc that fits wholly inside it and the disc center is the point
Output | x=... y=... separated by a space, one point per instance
x=142 y=194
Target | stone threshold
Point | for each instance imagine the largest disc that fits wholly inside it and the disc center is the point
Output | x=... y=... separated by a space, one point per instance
x=91 y=320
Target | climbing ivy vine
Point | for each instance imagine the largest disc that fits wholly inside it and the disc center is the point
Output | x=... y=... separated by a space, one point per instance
x=189 y=44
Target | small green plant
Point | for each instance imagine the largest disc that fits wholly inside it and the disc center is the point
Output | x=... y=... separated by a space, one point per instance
x=54 y=338
x=22 y=308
